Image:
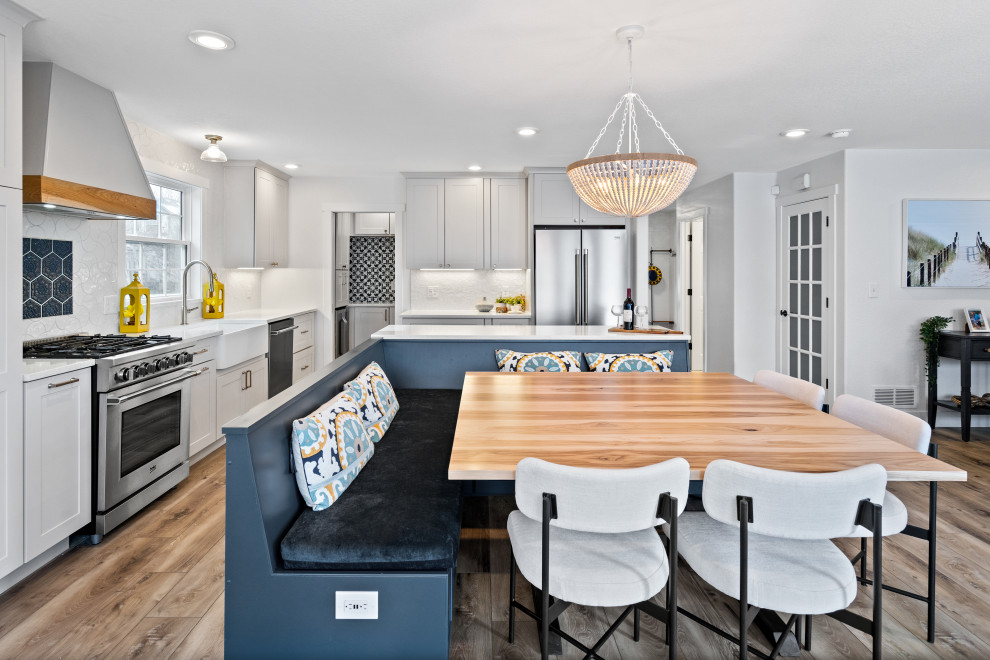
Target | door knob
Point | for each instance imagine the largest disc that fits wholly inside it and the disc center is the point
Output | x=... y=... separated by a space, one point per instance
x=783 y=312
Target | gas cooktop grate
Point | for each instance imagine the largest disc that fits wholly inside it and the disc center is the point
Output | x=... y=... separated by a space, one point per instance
x=92 y=346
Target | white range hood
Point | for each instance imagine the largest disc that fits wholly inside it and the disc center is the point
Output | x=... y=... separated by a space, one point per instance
x=78 y=155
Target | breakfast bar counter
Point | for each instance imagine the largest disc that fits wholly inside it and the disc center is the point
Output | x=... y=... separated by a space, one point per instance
x=520 y=333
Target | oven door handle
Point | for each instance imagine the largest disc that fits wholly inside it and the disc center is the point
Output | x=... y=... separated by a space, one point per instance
x=116 y=401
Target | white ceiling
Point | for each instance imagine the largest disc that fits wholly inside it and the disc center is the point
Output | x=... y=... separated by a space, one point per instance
x=353 y=87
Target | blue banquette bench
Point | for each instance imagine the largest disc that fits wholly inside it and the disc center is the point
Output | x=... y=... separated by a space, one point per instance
x=395 y=531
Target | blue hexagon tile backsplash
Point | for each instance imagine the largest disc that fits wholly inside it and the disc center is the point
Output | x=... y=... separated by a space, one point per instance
x=47 y=278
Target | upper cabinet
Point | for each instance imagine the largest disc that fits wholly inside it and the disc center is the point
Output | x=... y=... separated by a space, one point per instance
x=11 y=105
x=376 y=224
x=556 y=203
x=509 y=229
x=466 y=223
x=256 y=216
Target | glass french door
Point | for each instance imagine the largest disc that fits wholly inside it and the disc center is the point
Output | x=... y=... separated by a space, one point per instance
x=804 y=329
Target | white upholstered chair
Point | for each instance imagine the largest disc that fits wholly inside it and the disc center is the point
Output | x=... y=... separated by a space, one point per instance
x=764 y=539
x=914 y=433
x=794 y=388
x=588 y=536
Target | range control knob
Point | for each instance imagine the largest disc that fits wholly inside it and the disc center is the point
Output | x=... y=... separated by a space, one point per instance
x=143 y=369
x=134 y=373
x=161 y=364
x=185 y=358
x=122 y=376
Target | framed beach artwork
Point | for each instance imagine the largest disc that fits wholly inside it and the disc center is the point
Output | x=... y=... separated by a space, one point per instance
x=945 y=244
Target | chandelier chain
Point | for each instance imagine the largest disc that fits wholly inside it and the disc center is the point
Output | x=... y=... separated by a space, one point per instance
x=649 y=113
x=601 y=133
x=622 y=129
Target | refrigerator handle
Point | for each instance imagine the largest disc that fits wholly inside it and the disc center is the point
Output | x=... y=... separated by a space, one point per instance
x=578 y=293
x=584 y=270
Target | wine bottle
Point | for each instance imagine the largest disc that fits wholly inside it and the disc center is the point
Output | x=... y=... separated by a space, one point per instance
x=627 y=311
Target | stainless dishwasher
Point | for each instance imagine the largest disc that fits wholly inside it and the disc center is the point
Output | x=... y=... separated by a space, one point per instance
x=280 y=335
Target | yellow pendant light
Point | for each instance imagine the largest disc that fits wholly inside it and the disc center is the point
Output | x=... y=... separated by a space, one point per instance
x=631 y=184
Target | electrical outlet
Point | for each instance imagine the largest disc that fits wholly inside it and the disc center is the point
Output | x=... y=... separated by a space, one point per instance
x=432 y=292
x=357 y=604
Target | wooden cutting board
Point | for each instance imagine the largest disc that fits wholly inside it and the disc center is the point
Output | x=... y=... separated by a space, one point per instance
x=649 y=331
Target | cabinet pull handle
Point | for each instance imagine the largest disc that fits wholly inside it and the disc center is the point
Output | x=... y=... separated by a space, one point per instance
x=245 y=386
x=302 y=332
x=250 y=378
x=52 y=386
x=200 y=352
x=304 y=367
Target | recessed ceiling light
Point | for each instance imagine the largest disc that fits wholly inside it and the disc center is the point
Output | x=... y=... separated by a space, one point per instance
x=211 y=40
x=840 y=133
x=795 y=132
x=474 y=168
x=527 y=131
x=291 y=166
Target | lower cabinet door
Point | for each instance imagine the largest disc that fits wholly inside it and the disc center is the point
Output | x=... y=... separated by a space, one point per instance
x=58 y=458
x=257 y=391
x=230 y=396
x=203 y=411
x=302 y=364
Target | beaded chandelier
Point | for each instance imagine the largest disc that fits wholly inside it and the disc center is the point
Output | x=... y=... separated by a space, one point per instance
x=631 y=184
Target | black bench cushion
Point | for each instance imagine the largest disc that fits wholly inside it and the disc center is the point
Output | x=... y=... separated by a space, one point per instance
x=401 y=513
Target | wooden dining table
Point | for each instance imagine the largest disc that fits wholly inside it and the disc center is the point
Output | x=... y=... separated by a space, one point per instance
x=622 y=420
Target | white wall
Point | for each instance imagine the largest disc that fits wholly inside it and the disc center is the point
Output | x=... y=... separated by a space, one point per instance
x=312 y=200
x=717 y=197
x=882 y=344
x=754 y=265
x=663 y=236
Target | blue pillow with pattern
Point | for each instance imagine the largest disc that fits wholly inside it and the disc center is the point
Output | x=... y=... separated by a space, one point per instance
x=658 y=361
x=376 y=400
x=329 y=448
x=555 y=361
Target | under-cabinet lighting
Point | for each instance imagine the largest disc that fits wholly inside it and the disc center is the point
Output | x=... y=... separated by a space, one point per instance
x=446 y=269
x=474 y=168
x=249 y=268
x=49 y=206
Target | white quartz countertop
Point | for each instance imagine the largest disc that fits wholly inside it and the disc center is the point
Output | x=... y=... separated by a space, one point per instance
x=268 y=314
x=519 y=332
x=205 y=329
x=38 y=368
x=462 y=314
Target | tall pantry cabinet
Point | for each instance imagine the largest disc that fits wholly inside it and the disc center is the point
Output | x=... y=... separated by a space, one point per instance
x=12 y=21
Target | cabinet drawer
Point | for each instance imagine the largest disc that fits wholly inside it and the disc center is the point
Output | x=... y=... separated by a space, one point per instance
x=979 y=349
x=302 y=337
x=302 y=364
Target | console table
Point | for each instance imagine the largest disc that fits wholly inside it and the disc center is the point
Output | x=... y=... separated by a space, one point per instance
x=967 y=348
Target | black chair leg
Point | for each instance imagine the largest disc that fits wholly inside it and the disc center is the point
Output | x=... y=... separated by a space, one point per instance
x=878 y=584
x=862 y=558
x=636 y=625
x=807 y=633
x=932 y=517
x=512 y=597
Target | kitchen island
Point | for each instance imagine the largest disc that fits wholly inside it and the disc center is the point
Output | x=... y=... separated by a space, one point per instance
x=522 y=333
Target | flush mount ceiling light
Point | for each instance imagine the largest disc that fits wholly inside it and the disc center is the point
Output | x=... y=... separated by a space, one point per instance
x=211 y=40
x=212 y=153
x=631 y=184
x=840 y=133
x=474 y=168
x=795 y=132
x=527 y=131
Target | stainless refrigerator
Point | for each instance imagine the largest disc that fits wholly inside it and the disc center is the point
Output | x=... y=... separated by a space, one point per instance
x=580 y=274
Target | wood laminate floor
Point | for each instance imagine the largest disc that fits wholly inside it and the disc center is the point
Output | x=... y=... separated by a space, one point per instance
x=154 y=587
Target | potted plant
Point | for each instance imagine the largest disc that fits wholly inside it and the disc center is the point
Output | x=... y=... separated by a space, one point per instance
x=517 y=303
x=930 y=329
x=501 y=305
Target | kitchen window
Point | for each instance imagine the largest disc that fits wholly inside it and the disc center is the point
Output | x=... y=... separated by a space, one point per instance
x=158 y=250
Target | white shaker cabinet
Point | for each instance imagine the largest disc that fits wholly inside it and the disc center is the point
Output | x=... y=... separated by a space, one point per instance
x=12 y=20
x=556 y=203
x=424 y=223
x=367 y=319
x=303 y=351
x=57 y=459
x=239 y=389
x=464 y=223
x=256 y=215
x=203 y=411
x=374 y=224
x=509 y=226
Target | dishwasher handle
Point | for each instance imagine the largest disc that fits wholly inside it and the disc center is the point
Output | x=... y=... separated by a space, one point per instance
x=275 y=333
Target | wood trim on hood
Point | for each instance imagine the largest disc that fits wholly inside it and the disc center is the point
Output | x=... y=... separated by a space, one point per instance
x=40 y=189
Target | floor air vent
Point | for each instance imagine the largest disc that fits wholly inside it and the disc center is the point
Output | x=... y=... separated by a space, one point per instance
x=896 y=397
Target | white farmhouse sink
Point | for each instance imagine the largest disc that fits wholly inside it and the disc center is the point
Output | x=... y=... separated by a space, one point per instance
x=240 y=341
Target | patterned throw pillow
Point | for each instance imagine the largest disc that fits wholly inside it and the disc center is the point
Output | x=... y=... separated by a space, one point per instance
x=547 y=361
x=329 y=448
x=659 y=361
x=375 y=398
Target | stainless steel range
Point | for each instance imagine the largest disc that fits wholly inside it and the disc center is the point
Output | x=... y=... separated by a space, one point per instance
x=140 y=417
